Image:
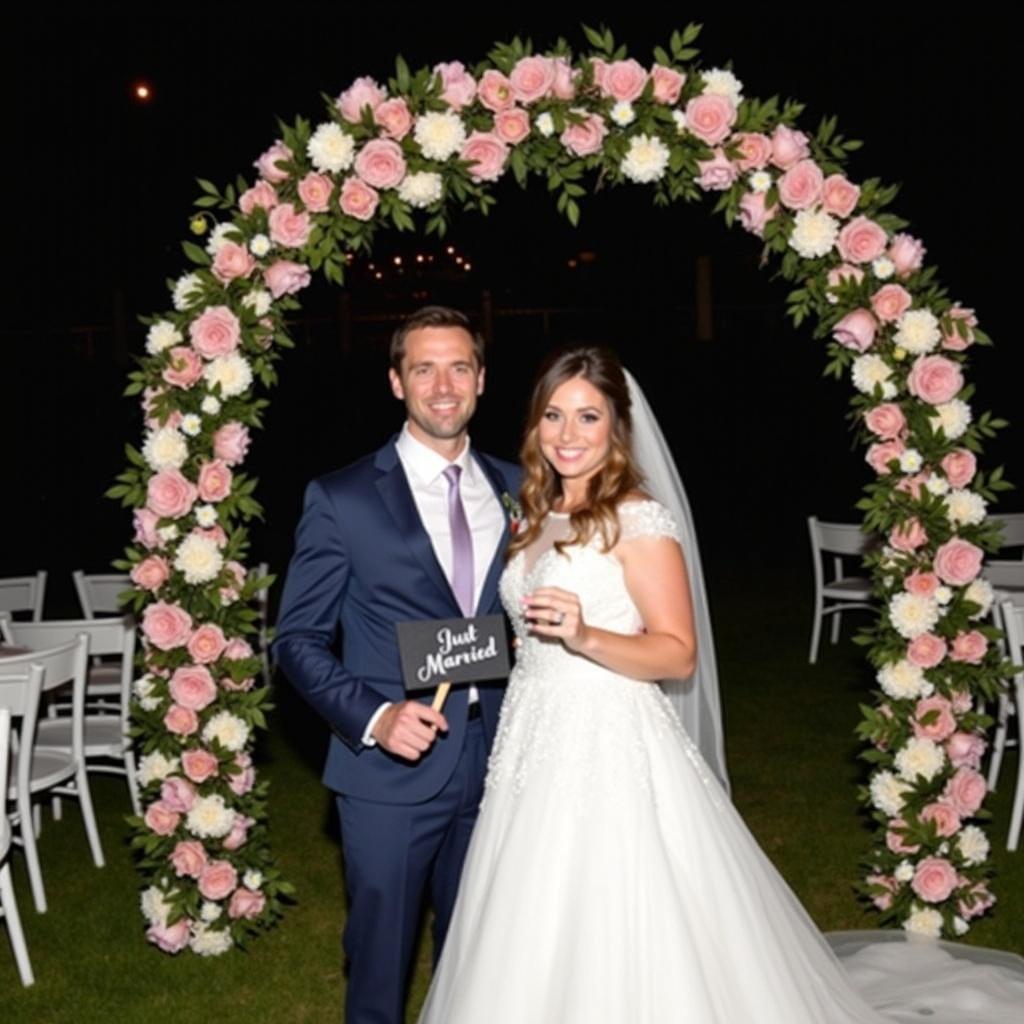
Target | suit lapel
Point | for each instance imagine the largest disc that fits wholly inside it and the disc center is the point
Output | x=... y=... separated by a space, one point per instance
x=489 y=593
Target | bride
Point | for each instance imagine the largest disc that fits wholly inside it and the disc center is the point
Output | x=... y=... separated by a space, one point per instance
x=609 y=878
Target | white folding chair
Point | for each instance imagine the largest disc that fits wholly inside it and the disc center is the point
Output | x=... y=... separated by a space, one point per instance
x=263 y=607
x=1013 y=529
x=106 y=724
x=1013 y=625
x=24 y=594
x=55 y=770
x=844 y=593
x=98 y=595
x=8 y=904
x=1007 y=579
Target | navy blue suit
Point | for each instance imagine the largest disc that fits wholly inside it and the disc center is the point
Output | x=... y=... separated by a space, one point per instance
x=363 y=561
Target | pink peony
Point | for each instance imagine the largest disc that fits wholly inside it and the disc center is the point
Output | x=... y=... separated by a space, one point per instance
x=357 y=199
x=261 y=195
x=958 y=562
x=236 y=838
x=166 y=625
x=267 y=163
x=940 y=725
x=710 y=117
x=839 y=196
x=668 y=84
x=458 y=87
x=856 y=330
x=171 y=938
x=788 y=146
x=394 y=118
x=921 y=583
x=380 y=163
x=754 y=214
x=315 y=192
x=363 y=92
x=907 y=254
x=184 y=367
x=242 y=781
x=947 y=821
x=192 y=687
x=207 y=644
x=935 y=379
x=286 y=278
x=145 y=522
x=890 y=302
x=218 y=879
x=512 y=125
x=969 y=647
x=965 y=749
x=880 y=455
x=586 y=137
x=624 y=80
x=951 y=337
x=886 y=421
x=214 y=481
x=232 y=261
x=926 y=650
x=178 y=794
x=965 y=791
x=895 y=839
x=216 y=331
x=246 y=903
x=199 y=765
x=151 y=573
x=161 y=819
x=188 y=859
x=755 y=150
x=718 y=173
x=934 y=880
x=800 y=187
x=231 y=443
x=486 y=155
x=861 y=241
x=289 y=227
x=960 y=467
x=908 y=536
x=532 y=78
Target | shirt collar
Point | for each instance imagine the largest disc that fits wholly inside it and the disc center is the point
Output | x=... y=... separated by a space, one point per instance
x=426 y=464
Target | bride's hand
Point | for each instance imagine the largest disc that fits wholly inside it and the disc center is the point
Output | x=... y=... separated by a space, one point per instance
x=556 y=613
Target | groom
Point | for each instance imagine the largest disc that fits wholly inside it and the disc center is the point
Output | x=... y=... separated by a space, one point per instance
x=416 y=530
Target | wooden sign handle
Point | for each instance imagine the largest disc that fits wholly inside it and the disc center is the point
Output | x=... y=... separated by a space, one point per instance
x=441 y=696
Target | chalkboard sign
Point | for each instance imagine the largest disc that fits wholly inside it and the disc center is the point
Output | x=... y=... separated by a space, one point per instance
x=437 y=651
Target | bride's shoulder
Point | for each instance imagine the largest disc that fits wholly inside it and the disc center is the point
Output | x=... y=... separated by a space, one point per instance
x=640 y=515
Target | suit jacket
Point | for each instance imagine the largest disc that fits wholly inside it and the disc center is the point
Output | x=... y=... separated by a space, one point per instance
x=363 y=561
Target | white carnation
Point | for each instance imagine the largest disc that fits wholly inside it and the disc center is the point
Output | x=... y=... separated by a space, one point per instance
x=919 y=757
x=883 y=268
x=228 y=729
x=937 y=485
x=210 y=818
x=233 y=373
x=902 y=680
x=206 y=516
x=143 y=690
x=545 y=124
x=904 y=872
x=760 y=181
x=209 y=941
x=167 y=533
x=927 y=689
x=252 y=879
x=918 y=331
x=888 y=792
x=162 y=335
x=953 y=418
x=973 y=845
x=924 y=921
x=331 y=148
x=210 y=911
x=869 y=370
x=980 y=592
x=680 y=119
x=219 y=235
x=646 y=159
x=723 y=83
x=623 y=113
x=165 y=448
x=199 y=559
x=191 y=424
x=814 y=233
x=943 y=595
x=258 y=301
x=259 y=245
x=185 y=294
x=420 y=189
x=155 y=907
x=912 y=614
x=965 y=508
x=910 y=460
x=960 y=926
x=211 y=405
x=155 y=768
x=439 y=134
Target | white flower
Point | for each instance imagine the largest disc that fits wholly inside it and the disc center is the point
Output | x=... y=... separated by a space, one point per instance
x=883 y=268
x=228 y=729
x=439 y=134
x=924 y=921
x=965 y=508
x=760 y=181
x=218 y=236
x=904 y=872
x=912 y=615
x=143 y=690
x=887 y=793
x=937 y=485
x=623 y=113
x=901 y=680
x=814 y=233
x=210 y=818
x=206 y=516
x=980 y=592
x=165 y=448
x=210 y=911
x=943 y=595
x=723 y=83
x=943 y=849
x=233 y=373
x=259 y=245
x=185 y=288
x=155 y=768
x=331 y=148
x=162 y=335
x=953 y=418
x=252 y=879
x=191 y=424
x=545 y=124
x=199 y=559
x=960 y=926
x=211 y=405
x=927 y=689
x=919 y=757
x=155 y=907
x=973 y=846
x=680 y=119
x=869 y=370
x=911 y=461
x=167 y=533
x=258 y=301
x=209 y=941
x=918 y=331
x=646 y=159
x=420 y=189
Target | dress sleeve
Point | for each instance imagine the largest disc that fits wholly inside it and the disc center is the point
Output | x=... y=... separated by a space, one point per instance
x=646 y=519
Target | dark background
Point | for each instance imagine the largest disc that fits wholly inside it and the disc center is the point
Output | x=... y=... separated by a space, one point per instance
x=100 y=188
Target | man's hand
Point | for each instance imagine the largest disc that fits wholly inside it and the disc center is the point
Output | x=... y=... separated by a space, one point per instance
x=408 y=729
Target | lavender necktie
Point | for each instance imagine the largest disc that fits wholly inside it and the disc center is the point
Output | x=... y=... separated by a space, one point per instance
x=463 y=584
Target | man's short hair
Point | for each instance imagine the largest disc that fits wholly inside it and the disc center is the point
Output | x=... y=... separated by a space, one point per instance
x=432 y=316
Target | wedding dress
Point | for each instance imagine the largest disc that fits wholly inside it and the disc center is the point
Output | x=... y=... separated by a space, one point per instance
x=610 y=880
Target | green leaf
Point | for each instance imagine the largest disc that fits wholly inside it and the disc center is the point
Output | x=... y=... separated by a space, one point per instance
x=195 y=254
x=208 y=187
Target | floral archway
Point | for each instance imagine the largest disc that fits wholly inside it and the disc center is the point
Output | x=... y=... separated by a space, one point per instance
x=402 y=156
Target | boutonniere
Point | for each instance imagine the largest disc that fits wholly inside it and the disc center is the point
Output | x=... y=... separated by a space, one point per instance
x=514 y=512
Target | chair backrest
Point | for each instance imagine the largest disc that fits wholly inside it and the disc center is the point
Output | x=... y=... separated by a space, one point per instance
x=98 y=592
x=1013 y=626
x=5 y=756
x=24 y=594
x=1005 y=573
x=838 y=538
x=1013 y=529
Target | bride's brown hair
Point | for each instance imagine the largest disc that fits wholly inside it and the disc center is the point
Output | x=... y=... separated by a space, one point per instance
x=616 y=478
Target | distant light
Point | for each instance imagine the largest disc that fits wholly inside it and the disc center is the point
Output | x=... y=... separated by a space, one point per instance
x=398 y=261
x=142 y=91
x=450 y=250
x=458 y=259
x=419 y=257
x=378 y=275
x=467 y=266
x=572 y=264
x=371 y=266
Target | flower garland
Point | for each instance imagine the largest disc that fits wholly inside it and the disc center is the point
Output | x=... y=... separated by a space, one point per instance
x=399 y=156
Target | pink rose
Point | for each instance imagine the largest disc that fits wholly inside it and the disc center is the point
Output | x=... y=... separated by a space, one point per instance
x=243 y=686
x=145 y=522
x=188 y=859
x=886 y=421
x=839 y=196
x=710 y=117
x=965 y=791
x=207 y=644
x=199 y=765
x=357 y=199
x=380 y=163
x=238 y=649
x=856 y=330
x=171 y=938
x=458 y=87
x=908 y=536
x=958 y=319
x=231 y=443
x=907 y=254
x=262 y=194
x=890 y=302
x=923 y=584
x=947 y=821
x=861 y=241
x=926 y=650
x=214 y=533
x=214 y=481
x=394 y=118
x=289 y=227
x=962 y=701
x=718 y=173
x=754 y=214
x=267 y=163
x=286 y=278
x=161 y=819
x=975 y=901
x=512 y=125
x=246 y=903
x=623 y=80
x=788 y=146
x=495 y=91
x=564 y=86
x=587 y=136
x=166 y=625
x=192 y=687
x=363 y=92
x=232 y=261
x=486 y=155
x=242 y=781
x=218 y=879
x=958 y=562
x=895 y=839
x=940 y=724
x=965 y=749
x=216 y=331
x=184 y=367
x=843 y=273
x=800 y=187
x=178 y=794
x=960 y=467
x=935 y=379
x=882 y=900
x=532 y=78
x=151 y=573
x=969 y=647
x=236 y=838
x=755 y=150
x=934 y=880
x=884 y=452
x=599 y=68
x=912 y=484
x=668 y=84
